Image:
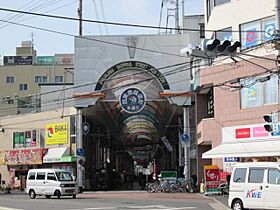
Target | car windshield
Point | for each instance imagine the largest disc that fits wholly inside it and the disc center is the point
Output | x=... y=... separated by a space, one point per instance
x=64 y=176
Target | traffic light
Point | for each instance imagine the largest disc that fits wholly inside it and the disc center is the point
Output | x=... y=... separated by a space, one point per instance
x=215 y=47
x=272 y=122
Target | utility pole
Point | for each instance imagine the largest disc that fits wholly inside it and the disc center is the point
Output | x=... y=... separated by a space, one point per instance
x=277 y=19
x=183 y=14
x=177 y=26
x=187 y=144
x=79 y=121
x=80 y=13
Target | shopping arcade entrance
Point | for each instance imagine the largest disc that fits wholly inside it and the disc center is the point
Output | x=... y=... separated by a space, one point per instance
x=121 y=142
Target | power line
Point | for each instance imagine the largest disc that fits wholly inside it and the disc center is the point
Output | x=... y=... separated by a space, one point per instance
x=92 y=39
x=173 y=71
x=174 y=65
x=121 y=24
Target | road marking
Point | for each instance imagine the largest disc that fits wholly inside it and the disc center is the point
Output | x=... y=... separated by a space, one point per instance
x=218 y=206
x=97 y=208
x=7 y=208
x=151 y=207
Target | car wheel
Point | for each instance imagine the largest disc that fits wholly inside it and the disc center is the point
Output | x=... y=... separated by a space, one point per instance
x=48 y=196
x=74 y=196
x=32 y=194
x=57 y=194
x=237 y=205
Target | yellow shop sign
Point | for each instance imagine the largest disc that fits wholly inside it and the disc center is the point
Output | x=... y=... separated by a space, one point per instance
x=57 y=134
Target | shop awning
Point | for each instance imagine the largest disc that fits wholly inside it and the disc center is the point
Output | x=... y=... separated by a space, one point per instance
x=260 y=148
x=55 y=155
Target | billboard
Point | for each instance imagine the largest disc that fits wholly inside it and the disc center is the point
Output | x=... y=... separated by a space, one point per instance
x=64 y=59
x=18 y=60
x=45 y=60
x=57 y=134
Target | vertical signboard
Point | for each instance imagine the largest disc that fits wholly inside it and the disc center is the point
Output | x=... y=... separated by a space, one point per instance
x=212 y=179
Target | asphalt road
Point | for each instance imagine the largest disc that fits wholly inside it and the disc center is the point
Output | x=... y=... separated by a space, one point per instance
x=111 y=201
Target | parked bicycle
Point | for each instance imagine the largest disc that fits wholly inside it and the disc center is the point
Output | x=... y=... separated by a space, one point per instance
x=165 y=185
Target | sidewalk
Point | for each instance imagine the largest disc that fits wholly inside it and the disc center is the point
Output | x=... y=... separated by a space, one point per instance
x=13 y=192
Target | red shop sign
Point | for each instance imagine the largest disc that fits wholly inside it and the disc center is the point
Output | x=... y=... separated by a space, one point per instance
x=212 y=174
x=242 y=133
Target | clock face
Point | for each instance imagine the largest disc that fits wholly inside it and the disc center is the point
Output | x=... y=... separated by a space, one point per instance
x=132 y=100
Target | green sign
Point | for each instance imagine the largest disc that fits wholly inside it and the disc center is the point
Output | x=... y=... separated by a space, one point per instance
x=168 y=174
x=45 y=60
x=67 y=159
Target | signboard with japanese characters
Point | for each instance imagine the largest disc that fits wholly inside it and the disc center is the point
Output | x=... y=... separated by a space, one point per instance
x=212 y=179
x=57 y=134
x=18 y=60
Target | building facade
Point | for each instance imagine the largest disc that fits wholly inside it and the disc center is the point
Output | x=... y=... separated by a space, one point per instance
x=37 y=140
x=21 y=75
x=235 y=93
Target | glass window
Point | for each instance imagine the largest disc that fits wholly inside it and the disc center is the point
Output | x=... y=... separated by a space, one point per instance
x=254 y=93
x=22 y=87
x=51 y=176
x=268 y=26
x=10 y=79
x=225 y=34
x=251 y=95
x=41 y=175
x=31 y=176
x=210 y=5
x=64 y=176
x=239 y=175
x=58 y=79
x=250 y=35
x=21 y=139
x=271 y=96
x=202 y=30
x=28 y=138
x=16 y=139
x=273 y=176
x=41 y=79
x=256 y=175
x=219 y=2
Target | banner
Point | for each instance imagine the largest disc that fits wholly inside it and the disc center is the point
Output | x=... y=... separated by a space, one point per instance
x=57 y=134
x=22 y=157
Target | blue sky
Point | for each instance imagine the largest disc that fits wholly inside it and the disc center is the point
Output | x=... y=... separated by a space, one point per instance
x=144 y=12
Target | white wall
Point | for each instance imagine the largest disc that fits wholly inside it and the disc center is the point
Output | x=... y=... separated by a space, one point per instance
x=237 y=12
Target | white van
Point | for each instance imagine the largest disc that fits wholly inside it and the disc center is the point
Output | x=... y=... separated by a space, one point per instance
x=50 y=182
x=255 y=185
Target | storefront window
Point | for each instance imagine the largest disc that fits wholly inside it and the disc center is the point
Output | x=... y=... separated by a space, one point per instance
x=21 y=139
x=25 y=139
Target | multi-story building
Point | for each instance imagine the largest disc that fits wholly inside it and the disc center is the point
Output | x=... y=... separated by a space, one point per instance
x=21 y=74
x=235 y=93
